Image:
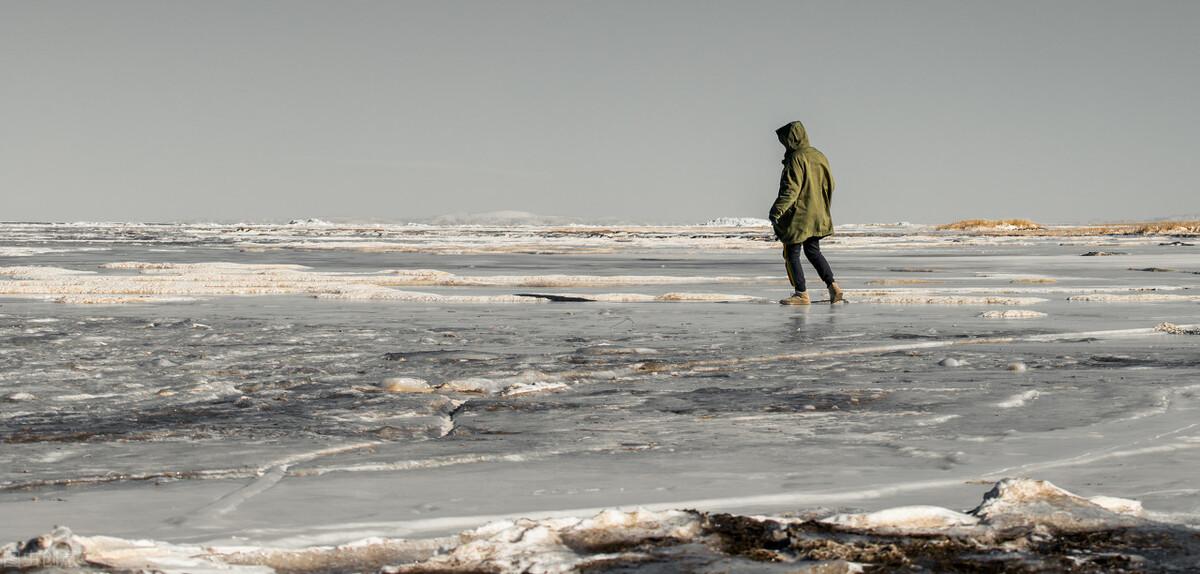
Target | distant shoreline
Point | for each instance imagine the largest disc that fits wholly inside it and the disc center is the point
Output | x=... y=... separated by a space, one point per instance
x=976 y=227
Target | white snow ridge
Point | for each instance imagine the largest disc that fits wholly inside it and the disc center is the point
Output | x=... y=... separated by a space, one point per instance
x=1020 y=521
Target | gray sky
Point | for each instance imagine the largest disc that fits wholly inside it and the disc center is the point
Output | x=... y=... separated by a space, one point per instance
x=650 y=111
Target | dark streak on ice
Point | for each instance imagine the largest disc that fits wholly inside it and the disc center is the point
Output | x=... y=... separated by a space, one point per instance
x=556 y=298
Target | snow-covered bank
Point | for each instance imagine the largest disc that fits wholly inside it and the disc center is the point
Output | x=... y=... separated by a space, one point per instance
x=1021 y=525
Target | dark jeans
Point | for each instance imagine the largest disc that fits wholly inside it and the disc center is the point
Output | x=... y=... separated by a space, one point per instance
x=812 y=251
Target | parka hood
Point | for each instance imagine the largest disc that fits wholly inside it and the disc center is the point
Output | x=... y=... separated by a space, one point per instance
x=793 y=136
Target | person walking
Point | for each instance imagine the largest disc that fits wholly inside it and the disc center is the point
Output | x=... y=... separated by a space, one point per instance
x=800 y=215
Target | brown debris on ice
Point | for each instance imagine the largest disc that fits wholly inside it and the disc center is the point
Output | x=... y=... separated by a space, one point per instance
x=1174 y=329
x=1022 y=526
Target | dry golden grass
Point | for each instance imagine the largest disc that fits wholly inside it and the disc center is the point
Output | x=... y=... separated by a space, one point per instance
x=1033 y=280
x=1169 y=227
x=1027 y=227
x=989 y=224
x=1135 y=228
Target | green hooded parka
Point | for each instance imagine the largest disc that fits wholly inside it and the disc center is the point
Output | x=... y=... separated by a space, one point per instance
x=805 y=189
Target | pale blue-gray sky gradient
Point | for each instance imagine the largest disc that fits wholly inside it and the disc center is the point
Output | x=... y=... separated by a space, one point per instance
x=650 y=111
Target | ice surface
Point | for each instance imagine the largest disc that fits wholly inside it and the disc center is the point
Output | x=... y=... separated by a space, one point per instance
x=28 y=251
x=270 y=396
x=1019 y=400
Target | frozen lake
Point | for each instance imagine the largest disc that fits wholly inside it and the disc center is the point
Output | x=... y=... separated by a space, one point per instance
x=338 y=383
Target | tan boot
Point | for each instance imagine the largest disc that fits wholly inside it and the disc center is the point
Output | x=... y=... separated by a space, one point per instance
x=800 y=298
x=835 y=293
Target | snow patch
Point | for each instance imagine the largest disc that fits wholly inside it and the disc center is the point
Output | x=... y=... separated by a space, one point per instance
x=917 y=298
x=523 y=383
x=405 y=385
x=904 y=518
x=1012 y=314
x=310 y=222
x=1022 y=502
x=736 y=222
x=558 y=545
x=1134 y=298
x=1018 y=400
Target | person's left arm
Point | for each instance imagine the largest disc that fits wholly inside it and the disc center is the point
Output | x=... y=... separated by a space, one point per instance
x=790 y=186
x=829 y=186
